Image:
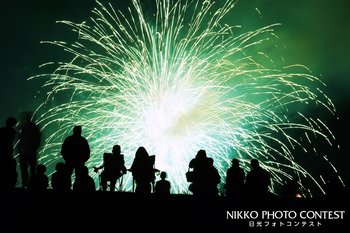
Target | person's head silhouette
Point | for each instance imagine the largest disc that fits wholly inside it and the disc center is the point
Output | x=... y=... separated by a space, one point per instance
x=163 y=175
x=141 y=153
x=116 y=149
x=235 y=163
x=201 y=154
x=41 y=169
x=254 y=163
x=26 y=116
x=10 y=122
x=82 y=171
x=77 y=130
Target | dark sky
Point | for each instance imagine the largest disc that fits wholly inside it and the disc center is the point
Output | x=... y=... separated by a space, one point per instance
x=315 y=34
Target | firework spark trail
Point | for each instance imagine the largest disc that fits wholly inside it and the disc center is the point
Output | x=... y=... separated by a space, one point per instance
x=175 y=84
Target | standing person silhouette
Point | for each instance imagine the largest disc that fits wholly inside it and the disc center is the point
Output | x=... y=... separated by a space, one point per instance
x=212 y=178
x=7 y=138
x=235 y=178
x=29 y=140
x=257 y=181
x=8 y=173
x=75 y=150
x=198 y=166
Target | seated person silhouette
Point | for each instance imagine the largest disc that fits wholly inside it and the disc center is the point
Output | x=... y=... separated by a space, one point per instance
x=204 y=177
x=142 y=169
x=39 y=180
x=162 y=187
x=83 y=181
x=60 y=179
x=113 y=168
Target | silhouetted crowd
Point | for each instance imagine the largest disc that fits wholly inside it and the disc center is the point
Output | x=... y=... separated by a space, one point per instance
x=202 y=175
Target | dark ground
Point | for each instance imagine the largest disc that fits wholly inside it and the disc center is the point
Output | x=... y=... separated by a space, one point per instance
x=23 y=211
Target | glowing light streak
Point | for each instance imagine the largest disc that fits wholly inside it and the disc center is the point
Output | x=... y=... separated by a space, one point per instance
x=180 y=82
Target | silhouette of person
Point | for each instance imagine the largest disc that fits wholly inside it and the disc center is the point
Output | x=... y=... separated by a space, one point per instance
x=205 y=176
x=60 y=179
x=291 y=189
x=39 y=180
x=8 y=172
x=258 y=180
x=75 y=150
x=113 y=168
x=213 y=179
x=162 y=187
x=83 y=181
x=235 y=178
x=7 y=138
x=333 y=185
x=197 y=165
x=29 y=140
x=143 y=171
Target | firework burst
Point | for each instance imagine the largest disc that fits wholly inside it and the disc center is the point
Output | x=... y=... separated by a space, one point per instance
x=177 y=82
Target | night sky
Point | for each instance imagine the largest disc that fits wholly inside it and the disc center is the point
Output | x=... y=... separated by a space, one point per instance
x=315 y=33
